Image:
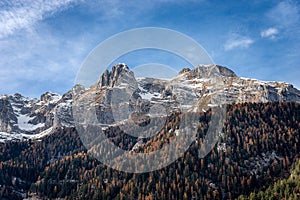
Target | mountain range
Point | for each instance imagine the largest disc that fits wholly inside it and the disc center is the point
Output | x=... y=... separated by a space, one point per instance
x=24 y=118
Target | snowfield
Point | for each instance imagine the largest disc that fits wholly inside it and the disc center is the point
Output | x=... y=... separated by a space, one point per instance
x=22 y=136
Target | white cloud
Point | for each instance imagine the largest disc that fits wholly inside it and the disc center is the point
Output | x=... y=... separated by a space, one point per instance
x=22 y=14
x=269 y=33
x=238 y=42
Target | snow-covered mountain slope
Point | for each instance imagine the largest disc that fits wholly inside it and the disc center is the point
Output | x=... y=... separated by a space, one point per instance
x=191 y=90
x=31 y=118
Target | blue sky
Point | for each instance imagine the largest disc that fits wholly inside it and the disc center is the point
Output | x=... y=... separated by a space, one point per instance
x=43 y=43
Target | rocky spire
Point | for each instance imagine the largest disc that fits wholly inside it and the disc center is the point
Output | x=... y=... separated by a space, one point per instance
x=109 y=78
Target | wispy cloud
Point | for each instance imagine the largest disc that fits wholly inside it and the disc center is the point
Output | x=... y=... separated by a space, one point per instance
x=238 y=42
x=285 y=14
x=37 y=61
x=269 y=33
x=22 y=14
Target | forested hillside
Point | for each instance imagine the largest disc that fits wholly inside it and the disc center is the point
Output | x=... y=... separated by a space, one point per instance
x=259 y=145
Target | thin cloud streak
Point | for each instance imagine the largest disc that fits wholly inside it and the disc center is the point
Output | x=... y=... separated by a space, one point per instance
x=241 y=43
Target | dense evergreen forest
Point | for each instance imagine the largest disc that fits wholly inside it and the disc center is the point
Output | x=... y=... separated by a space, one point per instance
x=252 y=160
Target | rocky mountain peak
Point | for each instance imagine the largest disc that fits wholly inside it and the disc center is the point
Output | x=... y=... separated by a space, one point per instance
x=224 y=71
x=206 y=71
x=184 y=70
x=50 y=97
x=109 y=78
x=17 y=96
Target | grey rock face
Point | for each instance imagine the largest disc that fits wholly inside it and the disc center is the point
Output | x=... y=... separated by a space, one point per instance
x=7 y=117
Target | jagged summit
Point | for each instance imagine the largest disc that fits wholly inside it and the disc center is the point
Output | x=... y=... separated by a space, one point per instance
x=108 y=78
